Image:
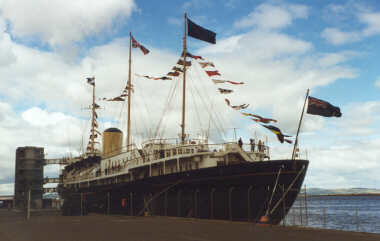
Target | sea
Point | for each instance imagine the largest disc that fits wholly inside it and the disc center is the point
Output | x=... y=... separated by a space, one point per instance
x=350 y=213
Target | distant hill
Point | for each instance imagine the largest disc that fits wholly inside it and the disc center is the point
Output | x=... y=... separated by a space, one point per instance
x=341 y=191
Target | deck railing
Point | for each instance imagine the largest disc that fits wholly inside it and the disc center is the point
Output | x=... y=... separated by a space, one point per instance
x=171 y=152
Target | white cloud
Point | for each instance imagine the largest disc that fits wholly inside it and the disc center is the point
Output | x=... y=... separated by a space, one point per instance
x=175 y=21
x=373 y=23
x=351 y=164
x=331 y=59
x=338 y=37
x=343 y=14
x=269 y=16
x=361 y=118
x=377 y=83
x=63 y=22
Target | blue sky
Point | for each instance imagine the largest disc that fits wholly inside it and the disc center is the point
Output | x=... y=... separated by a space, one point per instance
x=278 y=48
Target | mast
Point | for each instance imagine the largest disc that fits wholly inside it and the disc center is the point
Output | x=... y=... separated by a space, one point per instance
x=93 y=121
x=183 y=135
x=298 y=130
x=129 y=84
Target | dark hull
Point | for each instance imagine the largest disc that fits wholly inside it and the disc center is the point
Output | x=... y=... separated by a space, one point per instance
x=245 y=191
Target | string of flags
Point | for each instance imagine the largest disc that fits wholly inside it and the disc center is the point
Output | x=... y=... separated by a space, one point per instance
x=253 y=117
x=278 y=133
x=236 y=107
x=91 y=81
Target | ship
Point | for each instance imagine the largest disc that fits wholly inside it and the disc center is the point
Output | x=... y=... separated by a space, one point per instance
x=179 y=177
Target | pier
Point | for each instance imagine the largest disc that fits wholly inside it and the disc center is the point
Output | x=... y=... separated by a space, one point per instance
x=47 y=227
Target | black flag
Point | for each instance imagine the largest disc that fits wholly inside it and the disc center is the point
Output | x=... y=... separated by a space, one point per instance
x=323 y=108
x=200 y=33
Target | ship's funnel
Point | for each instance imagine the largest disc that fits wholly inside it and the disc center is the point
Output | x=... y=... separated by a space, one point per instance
x=112 y=141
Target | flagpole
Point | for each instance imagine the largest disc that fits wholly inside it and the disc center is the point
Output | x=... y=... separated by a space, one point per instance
x=129 y=85
x=298 y=130
x=183 y=135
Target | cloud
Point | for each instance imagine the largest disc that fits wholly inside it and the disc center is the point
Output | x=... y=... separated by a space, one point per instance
x=377 y=83
x=361 y=118
x=348 y=164
x=175 y=21
x=365 y=15
x=372 y=20
x=59 y=23
x=269 y=16
x=338 y=37
x=196 y=4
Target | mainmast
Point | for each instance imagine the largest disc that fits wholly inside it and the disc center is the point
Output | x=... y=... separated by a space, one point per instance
x=93 y=121
x=183 y=135
x=129 y=85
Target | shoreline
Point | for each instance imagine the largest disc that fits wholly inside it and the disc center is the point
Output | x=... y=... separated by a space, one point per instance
x=343 y=195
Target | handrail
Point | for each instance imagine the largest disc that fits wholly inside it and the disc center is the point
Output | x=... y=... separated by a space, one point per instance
x=185 y=149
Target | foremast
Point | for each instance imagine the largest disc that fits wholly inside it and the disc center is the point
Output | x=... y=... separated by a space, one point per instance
x=183 y=134
x=91 y=147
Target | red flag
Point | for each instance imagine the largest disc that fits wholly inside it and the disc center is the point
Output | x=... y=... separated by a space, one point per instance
x=234 y=83
x=136 y=44
x=205 y=64
x=173 y=73
x=192 y=56
x=212 y=73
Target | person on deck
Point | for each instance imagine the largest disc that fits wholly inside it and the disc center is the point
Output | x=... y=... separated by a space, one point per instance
x=259 y=146
x=240 y=143
x=252 y=142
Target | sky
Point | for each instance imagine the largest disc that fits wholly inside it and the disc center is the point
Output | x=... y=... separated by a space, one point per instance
x=279 y=49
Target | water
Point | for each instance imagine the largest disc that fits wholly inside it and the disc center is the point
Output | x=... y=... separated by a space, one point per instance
x=351 y=213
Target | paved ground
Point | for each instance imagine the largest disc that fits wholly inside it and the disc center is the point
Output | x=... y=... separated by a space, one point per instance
x=13 y=227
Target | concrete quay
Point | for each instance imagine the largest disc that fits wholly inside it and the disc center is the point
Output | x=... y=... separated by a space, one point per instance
x=14 y=227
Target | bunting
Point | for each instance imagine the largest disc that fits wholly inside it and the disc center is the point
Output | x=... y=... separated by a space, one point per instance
x=136 y=44
x=175 y=68
x=234 y=83
x=181 y=62
x=191 y=56
x=212 y=73
x=259 y=118
x=154 y=78
x=205 y=64
x=173 y=74
x=91 y=80
x=278 y=133
x=225 y=91
x=218 y=81
x=236 y=107
x=118 y=98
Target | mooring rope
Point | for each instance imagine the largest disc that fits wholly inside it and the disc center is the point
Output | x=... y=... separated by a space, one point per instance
x=290 y=186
